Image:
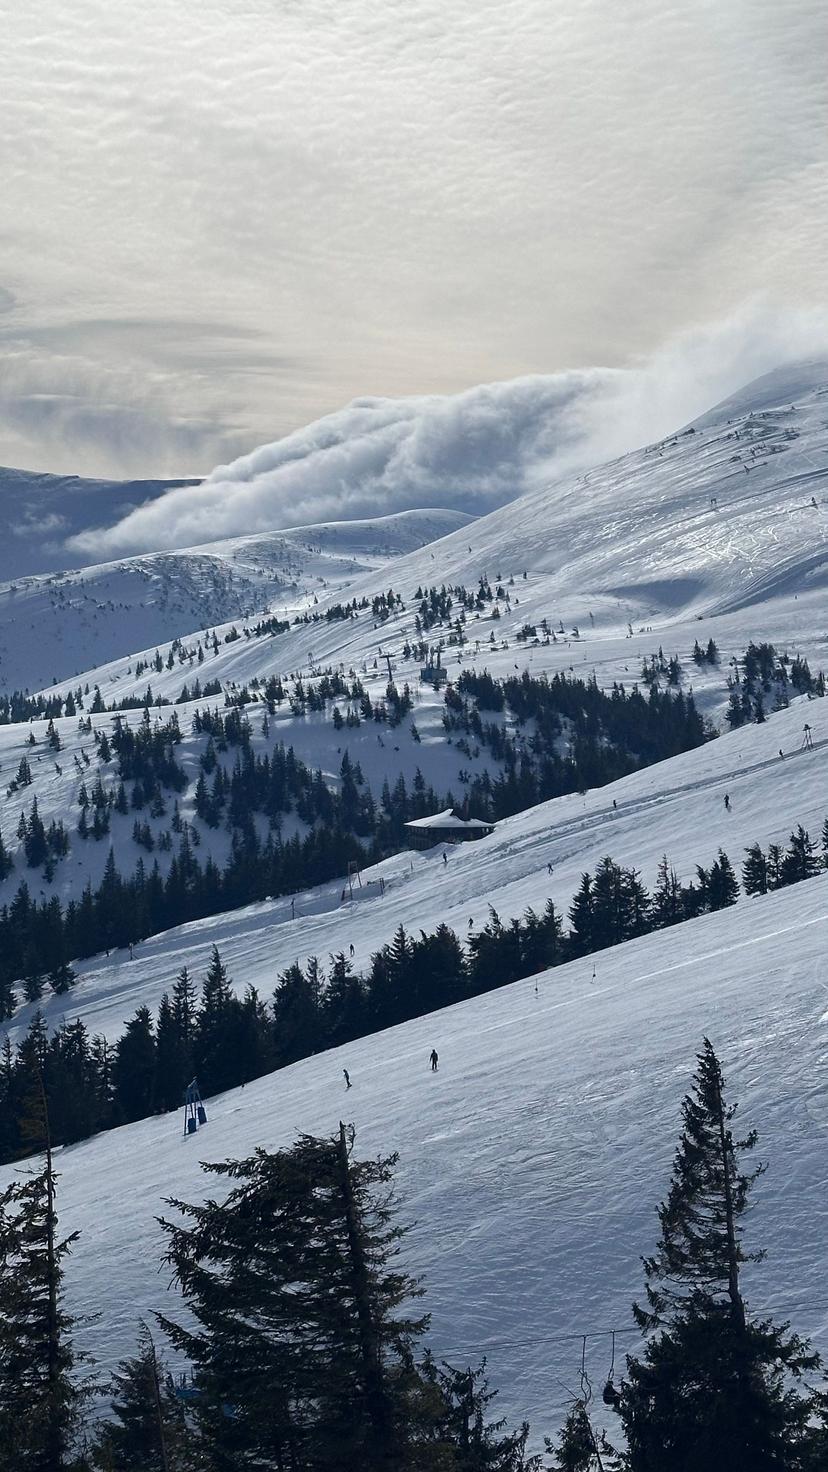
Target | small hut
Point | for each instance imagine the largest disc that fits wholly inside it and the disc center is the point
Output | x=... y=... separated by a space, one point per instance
x=445 y=827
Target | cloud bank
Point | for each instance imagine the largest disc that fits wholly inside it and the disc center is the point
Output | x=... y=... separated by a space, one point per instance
x=471 y=451
x=223 y=220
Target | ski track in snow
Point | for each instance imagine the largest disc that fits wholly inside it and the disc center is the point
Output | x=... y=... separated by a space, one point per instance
x=533 y=1161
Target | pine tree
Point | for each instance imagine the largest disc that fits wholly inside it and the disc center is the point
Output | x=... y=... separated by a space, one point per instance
x=800 y=860
x=580 y=1448
x=62 y=978
x=722 y=884
x=666 y=906
x=41 y=1401
x=715 y=1389
x=299 y=1316
x=473 y=1443
x=134 y=1069
x=213 y=1065
x=148 y=1432
x=581 y=918
x=755 y=871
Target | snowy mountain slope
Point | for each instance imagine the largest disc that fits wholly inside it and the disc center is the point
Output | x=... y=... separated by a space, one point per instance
x=40 y=513
x=637 y=543
x=797 y=622
x=675 y=807
x=58 y=625
x=534 y=1159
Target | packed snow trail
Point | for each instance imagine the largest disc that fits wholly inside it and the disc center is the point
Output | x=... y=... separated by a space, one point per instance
x=534 y=1159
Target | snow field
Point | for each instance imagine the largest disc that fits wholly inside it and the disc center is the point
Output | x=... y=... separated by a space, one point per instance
x=533 y=1161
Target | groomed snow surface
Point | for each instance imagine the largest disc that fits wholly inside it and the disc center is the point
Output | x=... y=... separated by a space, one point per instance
x=534 y=1159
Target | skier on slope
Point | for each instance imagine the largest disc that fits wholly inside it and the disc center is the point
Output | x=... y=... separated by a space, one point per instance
x=727 y=801
x=347 y=1078
x=433 y=1060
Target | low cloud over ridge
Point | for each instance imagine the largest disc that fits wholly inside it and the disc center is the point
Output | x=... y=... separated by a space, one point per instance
x=471 y=451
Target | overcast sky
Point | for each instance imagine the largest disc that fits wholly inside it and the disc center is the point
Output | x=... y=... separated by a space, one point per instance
x=220 y=219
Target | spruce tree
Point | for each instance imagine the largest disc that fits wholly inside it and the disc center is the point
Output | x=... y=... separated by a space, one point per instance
x=148 y=1432
x=580 y=1448
x=301 y=1333
x=755 y=871
x=715 y=1390
x=41 y=1400
x=722 y=884
x=666 y=903
x=800 y=860
x=472 y=1442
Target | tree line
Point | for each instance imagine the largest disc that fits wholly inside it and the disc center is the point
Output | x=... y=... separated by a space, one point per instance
x=604 y=735
x=236 y=785
x=227 y=1040
x=305 y=1343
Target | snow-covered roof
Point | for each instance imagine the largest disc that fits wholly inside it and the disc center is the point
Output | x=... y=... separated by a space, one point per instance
x=447 y=819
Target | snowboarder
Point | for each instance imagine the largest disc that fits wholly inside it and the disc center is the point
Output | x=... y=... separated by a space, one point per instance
x=471 y=922
x=727 y=801
x=445 y=857
x=433 y=1060
x=614 y=803
x=351 y=949
x=781 y=752
x=347 y=1078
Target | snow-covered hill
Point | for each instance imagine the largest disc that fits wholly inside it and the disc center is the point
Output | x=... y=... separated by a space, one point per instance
x=40 y=514
x=720 y=530
x=675 y=807
x=62 y=624
x=534 y=1159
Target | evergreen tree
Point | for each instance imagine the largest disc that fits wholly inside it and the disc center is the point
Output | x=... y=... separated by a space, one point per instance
x=210 y=1049
x=666 y=908
x=714 y=1390
x=722 y=884
x=475 y=1444
x=41 y=1401
x=135 y=1068
x=299 y=1316
x=800 y=860
x=62 y=978
x=581 y=918
x=580 y=1449
x=148 y=1431
x=755 y=871
x=297 y=1013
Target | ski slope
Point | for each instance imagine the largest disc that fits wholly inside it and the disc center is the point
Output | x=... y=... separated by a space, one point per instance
x=675 y=807
x=533 y=1161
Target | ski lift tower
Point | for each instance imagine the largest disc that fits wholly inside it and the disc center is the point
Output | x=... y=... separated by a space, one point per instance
x=194 y=1111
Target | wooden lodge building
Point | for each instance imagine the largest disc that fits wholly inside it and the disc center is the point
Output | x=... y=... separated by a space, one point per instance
x=445 y=827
